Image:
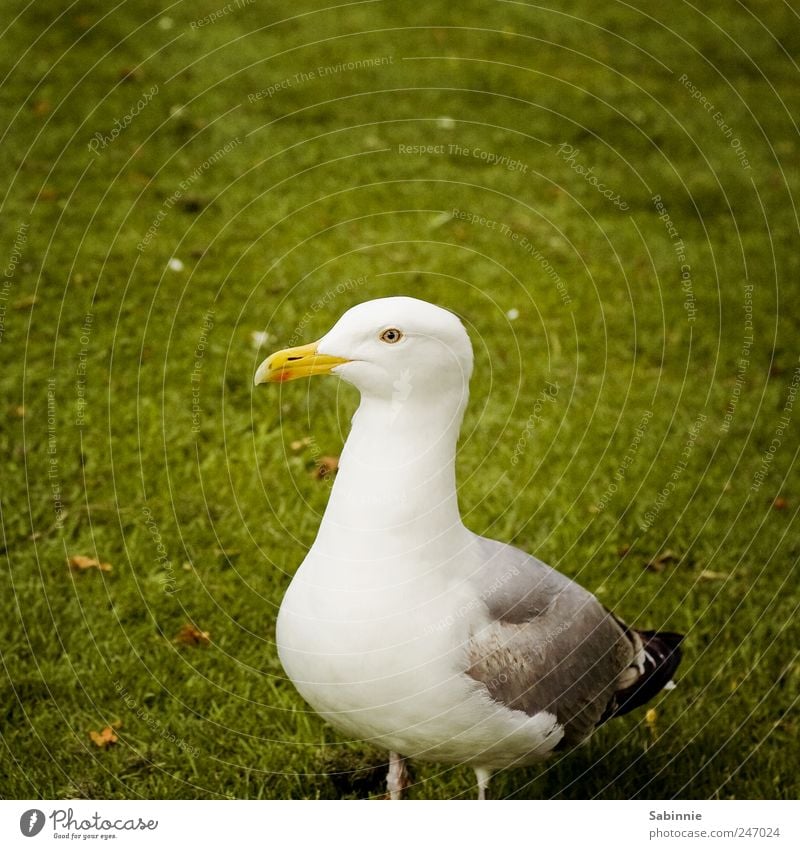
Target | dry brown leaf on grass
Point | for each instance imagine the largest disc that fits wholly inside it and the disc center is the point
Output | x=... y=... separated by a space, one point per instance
x=129 y=75
x=780 y=503
x=191 y=635
x=657 y=564
x=80 y=563
x=326 y=467
x=105 y=738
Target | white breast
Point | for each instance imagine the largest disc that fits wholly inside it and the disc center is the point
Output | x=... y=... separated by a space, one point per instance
x=385 y=659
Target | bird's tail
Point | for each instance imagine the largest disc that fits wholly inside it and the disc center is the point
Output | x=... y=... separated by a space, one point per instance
x=659 y=656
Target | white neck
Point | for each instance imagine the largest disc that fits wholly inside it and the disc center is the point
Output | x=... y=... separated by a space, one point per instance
x=395 y=491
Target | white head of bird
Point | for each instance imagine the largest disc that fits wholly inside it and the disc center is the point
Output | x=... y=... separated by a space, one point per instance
x=391 y=349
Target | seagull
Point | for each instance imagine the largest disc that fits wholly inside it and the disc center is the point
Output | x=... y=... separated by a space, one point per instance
x=404 y=628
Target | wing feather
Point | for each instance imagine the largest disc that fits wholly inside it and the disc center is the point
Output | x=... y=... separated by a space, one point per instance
x=546 y=643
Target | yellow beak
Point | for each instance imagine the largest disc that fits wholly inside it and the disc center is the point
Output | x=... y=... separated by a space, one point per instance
x=293 y=363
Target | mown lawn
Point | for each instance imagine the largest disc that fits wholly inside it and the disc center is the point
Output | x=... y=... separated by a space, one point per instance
x=140 y=134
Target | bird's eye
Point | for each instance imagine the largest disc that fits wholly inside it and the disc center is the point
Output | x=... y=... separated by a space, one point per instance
x=391 y=336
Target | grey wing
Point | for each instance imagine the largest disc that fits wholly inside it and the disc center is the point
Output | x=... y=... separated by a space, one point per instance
x=548 y=645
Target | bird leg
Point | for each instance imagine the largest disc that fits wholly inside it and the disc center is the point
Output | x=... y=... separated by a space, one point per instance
x=397 y=780
x=483 y=775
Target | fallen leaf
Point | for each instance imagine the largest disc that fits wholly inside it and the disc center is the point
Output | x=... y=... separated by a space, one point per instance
x=299 y=444
x=25 y=303
x=48 y=194
x=190 y=635
x=129 y=75
x=651 y=720
x=658 y=564
x=81 y=563
x=708 y=575
x=105 y=738
x=326 y=467
x=41 y=107
x=780 y=503
x=623 y=550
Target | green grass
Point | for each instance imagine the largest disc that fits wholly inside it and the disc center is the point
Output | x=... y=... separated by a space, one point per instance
x=314 y=194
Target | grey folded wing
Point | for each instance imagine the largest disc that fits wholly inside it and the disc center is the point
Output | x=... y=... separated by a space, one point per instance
x=548 y=645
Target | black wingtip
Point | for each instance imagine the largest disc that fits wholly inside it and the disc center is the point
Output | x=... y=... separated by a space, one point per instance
x=663 y=654
x=669 y=638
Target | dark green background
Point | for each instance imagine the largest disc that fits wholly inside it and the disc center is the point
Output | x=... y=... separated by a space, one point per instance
x=314 y=194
